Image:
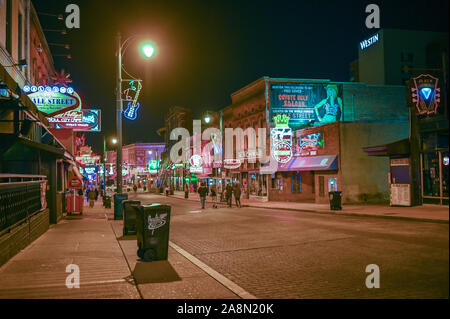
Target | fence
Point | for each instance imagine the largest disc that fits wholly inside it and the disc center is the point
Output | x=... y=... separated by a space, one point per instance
x=20 y=200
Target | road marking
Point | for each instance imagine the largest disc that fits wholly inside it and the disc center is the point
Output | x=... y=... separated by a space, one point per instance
x=220 y=278
x=194 y=211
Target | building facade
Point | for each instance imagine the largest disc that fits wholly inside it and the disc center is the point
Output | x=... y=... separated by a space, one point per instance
x=369 y=114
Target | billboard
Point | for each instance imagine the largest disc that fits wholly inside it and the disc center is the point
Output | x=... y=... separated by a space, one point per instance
x=90 y=121
x=306 y=103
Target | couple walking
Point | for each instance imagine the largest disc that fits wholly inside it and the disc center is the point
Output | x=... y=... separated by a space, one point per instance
x=236 y=190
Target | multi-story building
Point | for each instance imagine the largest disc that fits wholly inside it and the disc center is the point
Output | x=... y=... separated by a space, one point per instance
x=29 y=152
x=391 y=56
x=140 y=163
x=399 y=57
x=334 y=160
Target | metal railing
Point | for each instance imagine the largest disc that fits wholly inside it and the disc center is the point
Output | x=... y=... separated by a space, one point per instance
x=19 y=201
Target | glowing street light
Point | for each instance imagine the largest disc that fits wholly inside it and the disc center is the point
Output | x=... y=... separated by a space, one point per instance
x=114 y=141
x=148 y=50
x=207 y=119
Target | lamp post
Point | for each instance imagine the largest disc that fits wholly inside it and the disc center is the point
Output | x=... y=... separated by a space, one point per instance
x=147 y=50
x=114 y=141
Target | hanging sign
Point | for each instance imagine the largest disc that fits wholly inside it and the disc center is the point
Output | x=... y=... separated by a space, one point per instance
x=53 y=100
x=88 y=159
x=132 y=95
x=281 y=136
x=425 y=94
x=90 y=121
x=196 y=162
x=75 y=183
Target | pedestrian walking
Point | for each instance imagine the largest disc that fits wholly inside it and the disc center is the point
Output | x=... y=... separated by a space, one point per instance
x=91 y=197
x=96 y=194
x=135 y=188
x=203 y=192
x=214 y=195
x=237 y=194
x=229 y=194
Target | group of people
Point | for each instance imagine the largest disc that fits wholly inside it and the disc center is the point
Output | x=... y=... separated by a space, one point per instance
x=229 y=191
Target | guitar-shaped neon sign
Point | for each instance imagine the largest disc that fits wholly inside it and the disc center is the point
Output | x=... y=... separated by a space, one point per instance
x=132 y=107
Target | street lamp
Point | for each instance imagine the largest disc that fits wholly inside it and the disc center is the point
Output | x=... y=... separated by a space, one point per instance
x=114 y=141
x=207 y=119
x=148 y=51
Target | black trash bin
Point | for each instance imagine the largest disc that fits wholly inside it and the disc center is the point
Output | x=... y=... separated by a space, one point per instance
x=107 y=201
x=152 y=231
x=129 y=216
x=118 y=199
x=335 y=200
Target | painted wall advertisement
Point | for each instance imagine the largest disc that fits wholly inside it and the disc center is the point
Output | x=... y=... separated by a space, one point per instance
x=306 y=103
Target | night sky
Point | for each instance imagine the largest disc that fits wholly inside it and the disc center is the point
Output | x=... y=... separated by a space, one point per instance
x=208 y=49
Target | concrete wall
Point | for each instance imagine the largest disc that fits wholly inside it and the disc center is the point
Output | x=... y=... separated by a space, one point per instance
x=374 y=102
x=19 y=237
x=365 y=178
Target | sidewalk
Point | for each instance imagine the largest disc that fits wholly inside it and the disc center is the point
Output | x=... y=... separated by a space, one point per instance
x=425 y=212
x=108 y=265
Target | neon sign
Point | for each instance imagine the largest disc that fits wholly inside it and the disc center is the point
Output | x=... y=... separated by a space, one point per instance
x=426 y=94
x=281 y=136
x=309 y=144
x=88 y=159
x=53 y=100
x=133 y=105
x=153 y=166
x=90 y=120
x=196 y=162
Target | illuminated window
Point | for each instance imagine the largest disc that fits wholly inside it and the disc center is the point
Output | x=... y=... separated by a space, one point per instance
x=296 y=184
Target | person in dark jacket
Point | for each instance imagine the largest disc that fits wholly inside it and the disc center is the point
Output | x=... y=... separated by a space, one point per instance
x=229 y=194
x=96 y=194
x=237 y=194
x=214 y=195
x=91 y=196
x=203 y=192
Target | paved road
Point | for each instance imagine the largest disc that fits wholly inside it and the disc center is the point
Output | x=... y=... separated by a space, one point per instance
x=283 y=254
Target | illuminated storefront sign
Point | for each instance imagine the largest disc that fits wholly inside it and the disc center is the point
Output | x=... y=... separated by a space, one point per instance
x=364 y=44
x=425 y=94
x=306 y=103
x=196 y=162
x=53 y=100
x=90 y=121
x=90 y=170
x=308 y=144
x=281 y=136
x=231 y=163
x=153 y=166
x=88 y=159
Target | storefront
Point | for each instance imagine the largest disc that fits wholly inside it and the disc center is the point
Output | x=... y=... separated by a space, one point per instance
x=434 y=162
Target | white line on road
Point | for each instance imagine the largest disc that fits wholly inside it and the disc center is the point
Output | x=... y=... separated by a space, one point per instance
x=220 y=278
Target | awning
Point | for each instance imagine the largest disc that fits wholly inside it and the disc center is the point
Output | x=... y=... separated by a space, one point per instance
x=314 y=163
x=400 y=147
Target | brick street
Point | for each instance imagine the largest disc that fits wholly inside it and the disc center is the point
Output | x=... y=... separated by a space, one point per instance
x=282 y=254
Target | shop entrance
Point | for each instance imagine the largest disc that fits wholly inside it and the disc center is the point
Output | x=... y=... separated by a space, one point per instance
x=258 y=186
x=434 y=171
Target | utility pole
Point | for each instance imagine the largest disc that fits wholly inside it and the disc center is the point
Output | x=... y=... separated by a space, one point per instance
x=119 y=116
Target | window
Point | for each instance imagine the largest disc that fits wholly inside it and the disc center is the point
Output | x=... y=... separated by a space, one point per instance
x=296 y=184
x=9 y=26
x=321 y=186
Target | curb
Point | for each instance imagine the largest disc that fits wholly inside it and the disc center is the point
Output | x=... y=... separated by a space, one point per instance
x=416 y=219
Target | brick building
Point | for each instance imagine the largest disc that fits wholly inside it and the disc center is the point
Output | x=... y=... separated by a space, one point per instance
x=370 y=114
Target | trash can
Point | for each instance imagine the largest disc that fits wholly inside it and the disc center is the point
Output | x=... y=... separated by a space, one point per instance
x=335 y=200
x=107 y=201
x=152 y=231
x=129 y=216
x=118 y=198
